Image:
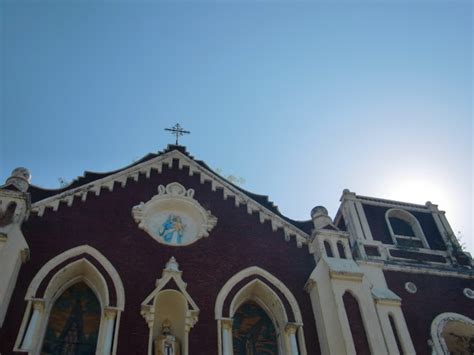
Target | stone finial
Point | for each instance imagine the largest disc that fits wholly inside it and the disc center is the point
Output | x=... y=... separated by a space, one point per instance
x=319 y=215
x=172 y=265
x=20 y=178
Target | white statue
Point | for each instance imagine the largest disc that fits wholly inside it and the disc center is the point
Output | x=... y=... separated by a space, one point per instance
x=166 y=343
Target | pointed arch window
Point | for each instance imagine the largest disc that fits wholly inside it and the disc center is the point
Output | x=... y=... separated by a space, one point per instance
x=72 y=307
x=259 y=317
x=253 y=332
x=74 y=321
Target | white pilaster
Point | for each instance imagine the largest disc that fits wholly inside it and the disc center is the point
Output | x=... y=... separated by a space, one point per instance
x=290 y=330
x=31 y=333
x=227 y=346
x=110 y=315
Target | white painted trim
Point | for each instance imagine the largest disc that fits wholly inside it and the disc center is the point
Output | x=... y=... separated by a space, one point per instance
x=437 y=326
x=157 y=164
x=278 y=317
x=148 y=306
x=363 y=221
x=390 y=203
x=411 y=220
x=421 y=269
x=83 y=249
x=71 y=273
x=255 y=270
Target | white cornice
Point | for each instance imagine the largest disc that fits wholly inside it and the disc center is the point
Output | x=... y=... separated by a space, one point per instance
x=157 y=163
x=392 y=203
x=421 y=269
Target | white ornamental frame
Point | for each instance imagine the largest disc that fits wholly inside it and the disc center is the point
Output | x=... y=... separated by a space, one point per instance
x=177 y=198
x=439 y=346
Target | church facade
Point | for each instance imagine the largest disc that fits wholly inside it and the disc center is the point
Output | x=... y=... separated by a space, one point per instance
x=167 y=257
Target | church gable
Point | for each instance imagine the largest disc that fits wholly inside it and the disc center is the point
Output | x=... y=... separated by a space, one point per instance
x=178 y=159
x=245 y=266
x=245 y=234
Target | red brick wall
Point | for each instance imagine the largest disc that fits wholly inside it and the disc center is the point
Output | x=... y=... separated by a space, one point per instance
x=435 y=295
x=105 y=222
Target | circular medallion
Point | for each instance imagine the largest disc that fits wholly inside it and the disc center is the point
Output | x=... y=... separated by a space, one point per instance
x=174 y=217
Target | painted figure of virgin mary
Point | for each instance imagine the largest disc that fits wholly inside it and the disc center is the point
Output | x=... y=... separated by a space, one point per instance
x=172 y=227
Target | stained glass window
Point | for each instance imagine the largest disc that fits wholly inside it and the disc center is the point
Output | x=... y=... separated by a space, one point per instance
x=73 y=324
x=253 y=331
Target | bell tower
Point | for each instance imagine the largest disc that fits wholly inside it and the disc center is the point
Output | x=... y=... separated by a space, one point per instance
x=14 y=251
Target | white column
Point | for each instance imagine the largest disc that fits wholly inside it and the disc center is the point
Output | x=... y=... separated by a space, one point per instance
x=290 y=330
x=227 y=346
x=109 y=333
x=38 y=307
x=185 y=344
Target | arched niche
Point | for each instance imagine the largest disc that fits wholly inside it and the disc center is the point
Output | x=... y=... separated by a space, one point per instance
x=452 y=333
x=169 y=309
x=170 y=305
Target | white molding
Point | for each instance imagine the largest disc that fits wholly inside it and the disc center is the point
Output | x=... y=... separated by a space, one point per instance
x=81 y=270
x=178 y=199
x=149 y=305
x=183 y=161
x=255 y=270
x=240 y=298
x=420 y=269
x=437 y=326
x=363 y=221
x=411 y=220
x=391 y=203
x=68 y=254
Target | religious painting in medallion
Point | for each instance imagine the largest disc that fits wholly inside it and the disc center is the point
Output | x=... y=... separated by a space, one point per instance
x=174 y=217
x=73 y=325
x=253 y=331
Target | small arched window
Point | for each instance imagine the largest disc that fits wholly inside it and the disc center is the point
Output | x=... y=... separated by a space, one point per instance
x=340 y=250
x=356 y=323
x=405 y=229
x=395 y=333
x=327 y=247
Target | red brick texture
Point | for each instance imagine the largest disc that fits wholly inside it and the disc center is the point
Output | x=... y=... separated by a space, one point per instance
x=105 y=222
x=435 y=295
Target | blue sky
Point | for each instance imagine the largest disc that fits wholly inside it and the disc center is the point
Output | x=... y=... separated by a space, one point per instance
x=302 y=99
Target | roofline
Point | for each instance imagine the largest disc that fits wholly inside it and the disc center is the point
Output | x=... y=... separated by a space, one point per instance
x=121 y=176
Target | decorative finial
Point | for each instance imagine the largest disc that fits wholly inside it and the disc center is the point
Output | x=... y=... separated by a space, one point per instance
x=178 y=131
x=20 y=178
x=172 y=265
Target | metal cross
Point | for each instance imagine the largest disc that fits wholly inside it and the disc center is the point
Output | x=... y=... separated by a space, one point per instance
x=178 y=131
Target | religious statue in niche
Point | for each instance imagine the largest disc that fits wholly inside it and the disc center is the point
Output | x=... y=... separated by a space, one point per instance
x=166 y=343
x=173 y=226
